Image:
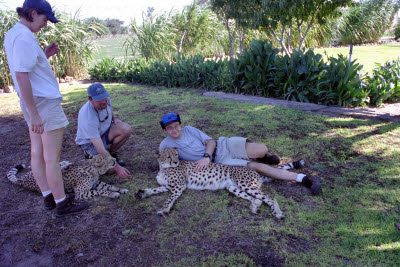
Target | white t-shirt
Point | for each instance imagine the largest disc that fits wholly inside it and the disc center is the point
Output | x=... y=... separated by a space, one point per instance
x=191 y=146
x=92 y=123
x=25 y=55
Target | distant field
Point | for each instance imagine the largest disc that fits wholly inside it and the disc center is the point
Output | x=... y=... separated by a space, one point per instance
x=111 y=47
x=366 y=55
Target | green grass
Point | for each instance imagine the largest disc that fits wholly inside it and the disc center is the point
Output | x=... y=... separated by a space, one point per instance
x=366 y=55
x=111 y=47
x=350 y=223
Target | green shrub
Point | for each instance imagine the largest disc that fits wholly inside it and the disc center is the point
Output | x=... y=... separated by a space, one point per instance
x=341 y=84
x=256 y=69
x=384 y=84
x=261 y=70
x=296 y=77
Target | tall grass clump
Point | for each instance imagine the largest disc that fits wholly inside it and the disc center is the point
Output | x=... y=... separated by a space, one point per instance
x=7 y=21
x=366 y=22
x=75 y=45
x=73 y=38
x=154 y=39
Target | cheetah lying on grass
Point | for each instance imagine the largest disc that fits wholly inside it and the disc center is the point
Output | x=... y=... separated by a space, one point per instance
x=176 y=175
x=81 y=177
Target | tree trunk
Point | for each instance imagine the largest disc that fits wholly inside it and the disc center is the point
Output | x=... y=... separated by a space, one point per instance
x=242 y=34
x=181 y=41
x=302 y=38
x=230 y=36
x=281 y=41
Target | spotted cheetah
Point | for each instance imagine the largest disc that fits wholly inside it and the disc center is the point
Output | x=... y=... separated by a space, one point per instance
x=81 y=177
x=176 y=175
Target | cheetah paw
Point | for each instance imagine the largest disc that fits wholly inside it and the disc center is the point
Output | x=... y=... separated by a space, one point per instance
x=255 y=206
x=162 y=213
x=115 y=195
x=280 y=216
x=123 y=191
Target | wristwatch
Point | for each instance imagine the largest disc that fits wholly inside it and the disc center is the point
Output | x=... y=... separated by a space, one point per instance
x=206 y=155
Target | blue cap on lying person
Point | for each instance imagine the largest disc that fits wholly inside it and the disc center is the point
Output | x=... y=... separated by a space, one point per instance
x=97 y=92
x=168 y=119
x=42 y=6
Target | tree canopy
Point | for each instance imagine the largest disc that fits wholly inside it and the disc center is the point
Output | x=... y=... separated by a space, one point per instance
x=281 y=18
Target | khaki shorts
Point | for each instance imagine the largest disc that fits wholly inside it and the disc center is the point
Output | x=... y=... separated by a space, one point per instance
x=232 y=151
x=50 y=111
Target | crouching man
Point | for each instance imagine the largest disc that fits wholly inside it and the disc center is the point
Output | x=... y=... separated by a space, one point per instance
x=99 y=130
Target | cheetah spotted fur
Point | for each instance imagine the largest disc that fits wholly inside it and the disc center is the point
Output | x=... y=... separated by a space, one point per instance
x=176 y=175
x=81 y=177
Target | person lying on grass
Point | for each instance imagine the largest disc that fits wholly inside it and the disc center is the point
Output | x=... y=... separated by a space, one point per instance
x=194 y=145
x=99 y=130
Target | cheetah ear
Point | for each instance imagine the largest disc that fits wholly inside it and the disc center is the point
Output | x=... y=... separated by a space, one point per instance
x=157 y=154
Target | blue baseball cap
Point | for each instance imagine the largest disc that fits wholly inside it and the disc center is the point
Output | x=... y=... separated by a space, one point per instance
x=42 y=6
x=168 y=119
x=97 y=92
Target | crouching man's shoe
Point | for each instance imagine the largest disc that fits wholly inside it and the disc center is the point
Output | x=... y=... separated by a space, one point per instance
x=69 y=206
x=314 y=183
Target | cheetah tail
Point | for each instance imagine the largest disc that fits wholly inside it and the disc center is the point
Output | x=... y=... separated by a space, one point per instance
x=11 y=175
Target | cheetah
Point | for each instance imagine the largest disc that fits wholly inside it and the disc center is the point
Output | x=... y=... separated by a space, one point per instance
x=176 y=175
x=81 y=177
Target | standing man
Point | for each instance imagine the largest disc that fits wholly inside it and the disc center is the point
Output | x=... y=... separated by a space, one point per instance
x=99 y=130
x=194 y=145
x=40 y=101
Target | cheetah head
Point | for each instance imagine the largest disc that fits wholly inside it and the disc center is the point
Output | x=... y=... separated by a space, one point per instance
x=168 y=158
x=102 y=162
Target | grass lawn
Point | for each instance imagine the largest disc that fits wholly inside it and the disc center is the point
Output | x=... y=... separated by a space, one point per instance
x=366 y=55
x=351 y=223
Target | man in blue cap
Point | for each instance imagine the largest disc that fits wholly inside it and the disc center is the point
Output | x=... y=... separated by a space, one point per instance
x=194 y=145
x=99 y=130
x=40 y=101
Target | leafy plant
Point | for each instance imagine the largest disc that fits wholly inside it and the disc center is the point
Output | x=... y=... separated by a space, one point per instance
x=384 y=84
x=341 y=84
x=256 y=69
x=296 y=78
